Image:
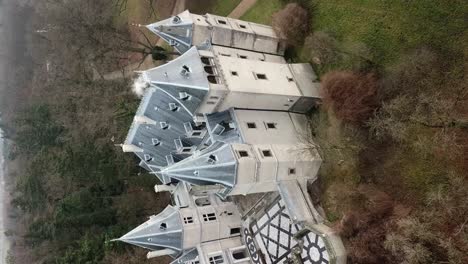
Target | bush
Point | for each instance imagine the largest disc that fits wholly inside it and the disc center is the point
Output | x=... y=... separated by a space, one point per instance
x=321 y=48
x=291 y=23
x=352 y=96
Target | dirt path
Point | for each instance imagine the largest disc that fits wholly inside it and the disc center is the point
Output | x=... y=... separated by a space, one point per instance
x=242 y=8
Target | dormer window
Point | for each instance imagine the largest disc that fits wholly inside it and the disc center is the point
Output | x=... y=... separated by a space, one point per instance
x=148 y=158
x=173 y=107
x=163 y=226
x=155 y=142
x=222 y=22
x=184 y=96
x=164 y=125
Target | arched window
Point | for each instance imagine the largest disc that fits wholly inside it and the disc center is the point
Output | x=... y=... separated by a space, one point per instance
x=209 y=70
x=202 y=201
x=212 y=79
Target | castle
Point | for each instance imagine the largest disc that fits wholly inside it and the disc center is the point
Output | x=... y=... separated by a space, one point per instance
x=223 y=127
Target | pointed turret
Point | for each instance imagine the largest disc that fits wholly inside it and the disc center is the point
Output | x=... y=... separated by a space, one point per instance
x=176 y=30
x=162 y=233
x=214 y=165
x=184 y=79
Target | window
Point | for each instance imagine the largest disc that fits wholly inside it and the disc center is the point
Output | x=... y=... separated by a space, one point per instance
x=209 y=69
x=242 y=26
x=243 y=153
x=243 y=57
x=196 y=134
x=239 y=254
x=203 y=201
x=290 y=79
x=261 y=76
x=209 y=217
x=271 y=125
x=212 y=79
x=251 y=125
x=218 y=259
x=214 y=97
x=290 y=100
x=234 y=73
x=266 y=153
x=222 y=22
x=188 y=220
x=186 y=150
x=163 y=226
x=206 y=60
x=235 y=231
x=210 y=103
x=292 y=171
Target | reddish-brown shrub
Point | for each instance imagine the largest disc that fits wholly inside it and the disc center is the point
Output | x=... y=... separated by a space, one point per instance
x=291 y=23
x=352 y=96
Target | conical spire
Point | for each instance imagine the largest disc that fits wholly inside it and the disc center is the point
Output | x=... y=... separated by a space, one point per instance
x=176 y=30
x=162 y=231
x=214 y=165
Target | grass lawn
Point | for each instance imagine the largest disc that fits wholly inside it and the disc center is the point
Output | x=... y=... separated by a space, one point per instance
x=388 y=28
x=224 y=7
x=216 y=7
x=262 y=11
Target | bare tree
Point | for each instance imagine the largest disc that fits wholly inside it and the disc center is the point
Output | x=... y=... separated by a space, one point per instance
x=291 y=23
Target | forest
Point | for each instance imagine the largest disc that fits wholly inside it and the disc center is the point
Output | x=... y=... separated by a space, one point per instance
x=392 y=129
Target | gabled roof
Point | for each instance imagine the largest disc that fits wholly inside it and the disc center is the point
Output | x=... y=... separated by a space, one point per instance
x=162 y=231
x=213 y=165
x=176 y=30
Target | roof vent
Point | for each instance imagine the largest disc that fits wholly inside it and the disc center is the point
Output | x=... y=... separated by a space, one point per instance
x=148 y=158
x=212 y=159
x=163 y=226
x=164 y=125
x=185 y=70
x=176 y=20
x=155 y=142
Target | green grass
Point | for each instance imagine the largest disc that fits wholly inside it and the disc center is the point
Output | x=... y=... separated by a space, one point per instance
x=216 y=7
x=262 y=11
x=389 y=29
x=224 y=7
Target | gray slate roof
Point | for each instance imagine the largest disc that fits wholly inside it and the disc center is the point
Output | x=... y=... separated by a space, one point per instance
x=213 y=165
x=162 y=231
x=176 y=30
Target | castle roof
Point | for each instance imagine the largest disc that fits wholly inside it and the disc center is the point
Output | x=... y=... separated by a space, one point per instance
x=176 y=30
x=214 y=165
x=159 y=130
x=162 y=231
